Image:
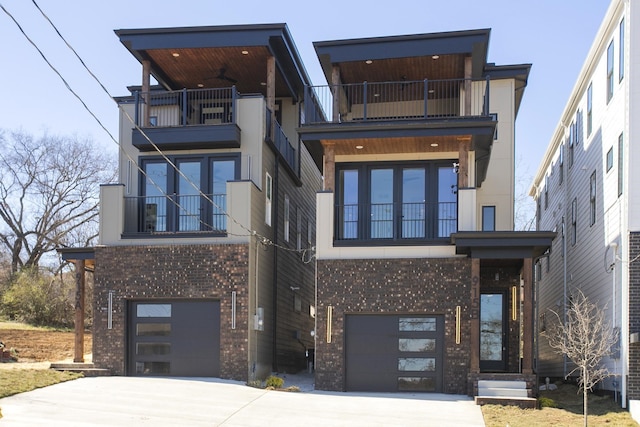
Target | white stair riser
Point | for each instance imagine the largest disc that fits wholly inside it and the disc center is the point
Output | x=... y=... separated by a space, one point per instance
x=502 y=392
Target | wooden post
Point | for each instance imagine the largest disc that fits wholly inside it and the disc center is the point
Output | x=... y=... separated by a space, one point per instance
x=271 y=92
x=335 y=91
x=463 y=162
x=146 y=88
x=79 y=306
x=474 y=335
x=527 y=320
x=467 y=85
x=329 y=166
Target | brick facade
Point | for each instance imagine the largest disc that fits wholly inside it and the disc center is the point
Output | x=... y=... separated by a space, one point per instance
x=429 y=286
x=633 y=385
x=180 y=271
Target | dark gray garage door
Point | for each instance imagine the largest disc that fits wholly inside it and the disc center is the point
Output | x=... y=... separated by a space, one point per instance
x=174 y=337
x=394 y=353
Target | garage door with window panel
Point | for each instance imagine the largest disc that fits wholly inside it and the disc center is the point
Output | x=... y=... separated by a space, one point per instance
x=174 y=338
x=394 y=353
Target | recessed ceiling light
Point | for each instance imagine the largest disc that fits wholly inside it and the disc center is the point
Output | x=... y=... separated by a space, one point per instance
x=368 y=61
x=200 y=85
x=263 y=83
x=435 y=56
x=359 y=147
x=434 y=144
x=376 y=95
x=431 y=91
x=175 y=54
x=245 y=52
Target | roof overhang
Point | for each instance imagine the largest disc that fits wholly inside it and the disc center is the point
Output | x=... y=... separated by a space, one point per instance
x=519 y=73
x=202 y=52
x=86 y=254
x=502 y=244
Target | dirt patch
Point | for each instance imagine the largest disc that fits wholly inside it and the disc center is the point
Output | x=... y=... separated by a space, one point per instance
x=41 y=345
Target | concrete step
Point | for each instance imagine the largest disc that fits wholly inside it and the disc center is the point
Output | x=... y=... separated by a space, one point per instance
x=502 y=384
x=87 y=369
x=502 y=392
x=522 y=402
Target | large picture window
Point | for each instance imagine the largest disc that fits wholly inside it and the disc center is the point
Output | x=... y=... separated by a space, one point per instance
x=396 y=201
x=189 y=198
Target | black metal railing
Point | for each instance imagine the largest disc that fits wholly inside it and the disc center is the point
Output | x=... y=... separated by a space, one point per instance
x=275 y=134
x=176 y=213
x=185 y=107
x=402 y=100
x=396 y=221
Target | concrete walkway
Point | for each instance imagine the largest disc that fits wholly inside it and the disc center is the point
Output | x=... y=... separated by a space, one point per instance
x=134 y=401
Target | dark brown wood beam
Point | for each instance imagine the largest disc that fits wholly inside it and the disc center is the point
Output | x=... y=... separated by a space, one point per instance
x=527 y=320
x=79 y=307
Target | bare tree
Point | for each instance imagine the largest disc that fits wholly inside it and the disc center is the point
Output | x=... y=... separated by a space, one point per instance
x=586 y=338
x=524 y=206
x=49 y=193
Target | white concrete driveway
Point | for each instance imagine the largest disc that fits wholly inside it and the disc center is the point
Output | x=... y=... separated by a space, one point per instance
x=130 y=401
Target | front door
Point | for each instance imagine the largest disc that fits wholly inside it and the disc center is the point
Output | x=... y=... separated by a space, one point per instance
x=493 y=332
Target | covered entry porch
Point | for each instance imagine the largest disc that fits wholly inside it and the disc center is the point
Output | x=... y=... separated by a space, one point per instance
x=502 y=304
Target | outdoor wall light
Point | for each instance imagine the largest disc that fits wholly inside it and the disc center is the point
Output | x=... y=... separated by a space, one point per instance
x=458 y=321
x=110 y=310
x=514 y=303
x=233 y=309
x=329 y=321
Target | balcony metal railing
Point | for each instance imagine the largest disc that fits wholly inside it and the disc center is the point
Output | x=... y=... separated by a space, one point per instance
x=284 y=146
x=396 y=221
x=403 y=100
x=175 y=214
x=186 y=107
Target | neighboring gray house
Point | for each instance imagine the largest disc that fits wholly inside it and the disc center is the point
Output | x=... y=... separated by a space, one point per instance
x=585 y=189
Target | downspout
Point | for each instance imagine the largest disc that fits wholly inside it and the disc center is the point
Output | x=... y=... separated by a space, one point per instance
x=564 y=289
x=274 y=303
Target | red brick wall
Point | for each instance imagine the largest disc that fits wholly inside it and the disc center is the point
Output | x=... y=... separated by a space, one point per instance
x=179 y=271
x=431 y=286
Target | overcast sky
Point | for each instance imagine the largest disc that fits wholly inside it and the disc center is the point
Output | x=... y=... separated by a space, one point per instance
x=553 y=35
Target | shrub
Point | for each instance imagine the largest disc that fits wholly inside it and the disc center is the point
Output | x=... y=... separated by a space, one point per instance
x=38 y=299
x=546 y=402
x=274 y=382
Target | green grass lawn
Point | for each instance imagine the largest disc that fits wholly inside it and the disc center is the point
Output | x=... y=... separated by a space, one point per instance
x=14 y=381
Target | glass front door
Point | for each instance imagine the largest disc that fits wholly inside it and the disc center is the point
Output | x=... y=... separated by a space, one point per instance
x=493 y=333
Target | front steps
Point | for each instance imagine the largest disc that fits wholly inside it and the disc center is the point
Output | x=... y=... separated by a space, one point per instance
x=505 y=392
x=87 y=369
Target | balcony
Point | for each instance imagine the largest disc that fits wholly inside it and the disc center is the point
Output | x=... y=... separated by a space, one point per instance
x=282 y=144
x=395 y=223
x=401 y=100
x=186 y=119
x=175 y=214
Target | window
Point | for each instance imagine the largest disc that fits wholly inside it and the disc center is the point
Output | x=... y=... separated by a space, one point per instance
x=592 y=198
x=286 y=218
x=298 y=230
x=621 y=52
x=610 y=52
x=589 y=108
x=574 y=221
x=268 y=196
x=561 y=163
x=488 y=218
x=391 y=201
x=579 y=128
x=620 y=163
x=609 y=159
x=494 y=117
x=191 y=197
x=309 y=234
x=572 y=140
x=546 y=191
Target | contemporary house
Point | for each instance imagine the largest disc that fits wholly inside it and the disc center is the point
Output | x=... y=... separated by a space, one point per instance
x=585 y=189
x=422 y=284
x=202 y=267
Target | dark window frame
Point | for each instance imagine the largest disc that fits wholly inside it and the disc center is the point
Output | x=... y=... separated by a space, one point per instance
x=363 y=215
x=589 y=109
x=592 y=198
x=486 y=211
x=610 y=62
x=621 y=52
x=173 y=179
x=609 y=159
x=620 y=164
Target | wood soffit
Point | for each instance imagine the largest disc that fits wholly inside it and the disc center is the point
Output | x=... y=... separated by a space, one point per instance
x=396 y=145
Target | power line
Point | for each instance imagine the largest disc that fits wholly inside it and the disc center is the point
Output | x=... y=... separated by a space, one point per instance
x=262 y=239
